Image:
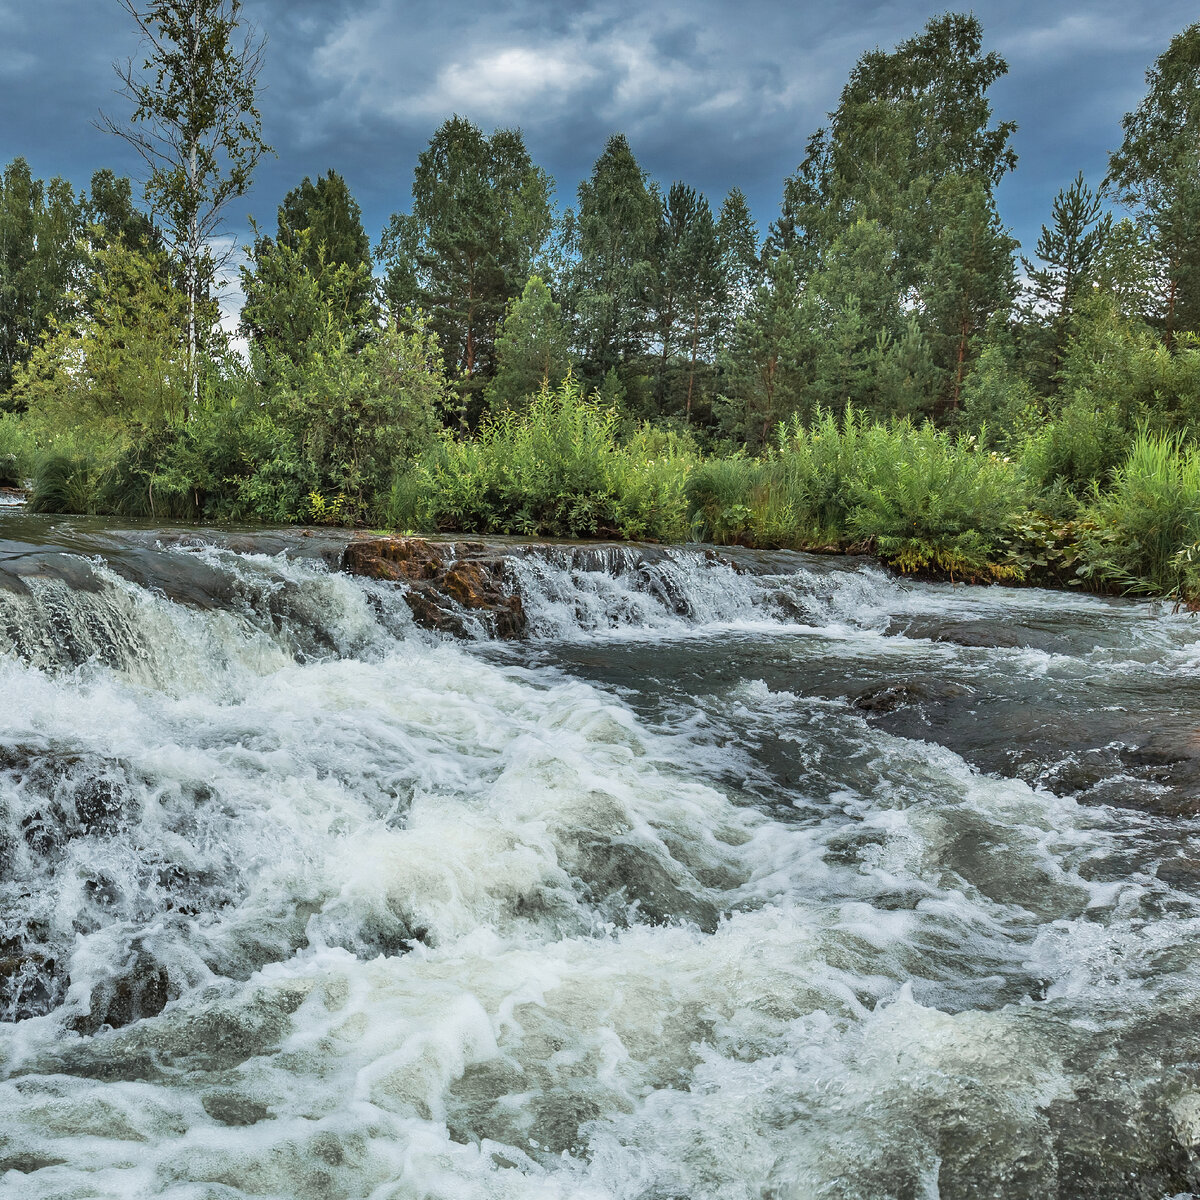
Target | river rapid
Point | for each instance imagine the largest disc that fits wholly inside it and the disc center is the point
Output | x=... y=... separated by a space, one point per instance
x=772 y=878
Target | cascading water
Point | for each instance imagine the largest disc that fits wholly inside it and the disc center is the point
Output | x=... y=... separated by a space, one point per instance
x=783 y=880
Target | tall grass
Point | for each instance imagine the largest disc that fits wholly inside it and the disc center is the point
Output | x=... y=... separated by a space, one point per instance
x=922 y=497
x=1142 y=533
x=557 y=469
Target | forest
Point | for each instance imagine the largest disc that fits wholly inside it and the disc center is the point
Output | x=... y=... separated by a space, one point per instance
x=882 y=369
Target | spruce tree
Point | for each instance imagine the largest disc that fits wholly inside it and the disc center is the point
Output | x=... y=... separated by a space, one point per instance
x=612 y=277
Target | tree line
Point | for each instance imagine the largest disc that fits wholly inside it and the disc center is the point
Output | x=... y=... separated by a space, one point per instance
x=887 y=285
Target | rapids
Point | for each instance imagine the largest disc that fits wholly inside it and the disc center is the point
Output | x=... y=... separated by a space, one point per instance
x=757 y=878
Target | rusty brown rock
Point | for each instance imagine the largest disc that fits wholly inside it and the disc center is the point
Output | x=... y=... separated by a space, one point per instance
x=448 y=583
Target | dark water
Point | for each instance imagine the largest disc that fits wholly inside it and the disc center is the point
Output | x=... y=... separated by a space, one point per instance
x=792 y=881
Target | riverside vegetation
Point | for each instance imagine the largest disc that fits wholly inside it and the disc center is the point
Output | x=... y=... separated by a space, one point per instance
x=875 y=374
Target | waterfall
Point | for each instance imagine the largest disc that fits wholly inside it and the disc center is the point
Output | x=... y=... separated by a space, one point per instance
x=738 y=876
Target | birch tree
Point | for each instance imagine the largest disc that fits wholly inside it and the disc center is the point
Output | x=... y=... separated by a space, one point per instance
x=196 y=123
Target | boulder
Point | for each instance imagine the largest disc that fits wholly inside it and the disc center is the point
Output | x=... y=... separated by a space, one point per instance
x=448 y=585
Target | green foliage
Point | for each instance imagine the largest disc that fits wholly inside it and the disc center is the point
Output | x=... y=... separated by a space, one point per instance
x=41 y=261
x=999 y=399
x=1067 y=251
x=613 y=239
x=479 y=221
x=532 y=349
x=924 y=498
x=1142 y=533
x=555 y=470
x=121 y=361
x=296 y=295
x=196 y=124
x=17 y=449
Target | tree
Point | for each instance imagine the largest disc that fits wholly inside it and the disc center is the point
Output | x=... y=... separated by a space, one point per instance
x=314 y=273
x=196 y=124
x=768 y=359
x=1067 y=250
x=479 y=220
x=533 y=349
x=687 y=295
x=121 y=360
x=112 y=216
x=1157 y=171
x=294 y=296
x=906 y=120
x=611 y=279
x=41 y=261
x=971 y=277
x=737 y=243
x=867 y=355
x=332 y=219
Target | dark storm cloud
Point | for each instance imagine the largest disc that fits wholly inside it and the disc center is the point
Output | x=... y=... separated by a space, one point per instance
x=715 y=93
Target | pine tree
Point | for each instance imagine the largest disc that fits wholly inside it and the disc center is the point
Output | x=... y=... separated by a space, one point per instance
x=479 y=221
x=332 y=217
x=1067 y=250
x=612 y=277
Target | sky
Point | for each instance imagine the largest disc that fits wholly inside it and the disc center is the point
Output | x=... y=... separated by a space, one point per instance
x=715 y=93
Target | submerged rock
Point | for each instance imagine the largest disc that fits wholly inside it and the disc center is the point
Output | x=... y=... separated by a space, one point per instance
x=449 y=584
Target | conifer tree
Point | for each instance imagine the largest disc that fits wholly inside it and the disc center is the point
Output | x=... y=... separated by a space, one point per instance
x=532 y=348
x=769 y=357
x=479 y=221
x=612 y=277
x=1067 y=250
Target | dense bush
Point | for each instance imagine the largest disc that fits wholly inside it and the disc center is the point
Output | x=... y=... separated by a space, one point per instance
x=923 y=497
x=17 y=450
x=557 y=469
x=1142 y=534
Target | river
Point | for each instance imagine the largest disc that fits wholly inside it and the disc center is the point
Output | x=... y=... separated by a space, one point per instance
x=767 y=877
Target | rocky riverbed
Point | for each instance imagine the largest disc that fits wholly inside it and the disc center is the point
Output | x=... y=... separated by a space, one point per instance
x=340 y=866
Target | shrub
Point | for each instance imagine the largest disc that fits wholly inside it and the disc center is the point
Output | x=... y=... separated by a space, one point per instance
x=1143 y=533
x=556 y=470
x=16 y=451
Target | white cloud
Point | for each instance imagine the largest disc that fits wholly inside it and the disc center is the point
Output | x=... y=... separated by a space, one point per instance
x=625 y=66
x=1071 y=35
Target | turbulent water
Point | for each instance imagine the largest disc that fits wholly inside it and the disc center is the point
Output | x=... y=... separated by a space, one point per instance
x=782 y=879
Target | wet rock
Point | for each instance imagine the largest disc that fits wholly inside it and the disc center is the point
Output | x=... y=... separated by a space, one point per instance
x=232 y=1108
x=141 y=991
x=449 y=584
x=32 y=983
